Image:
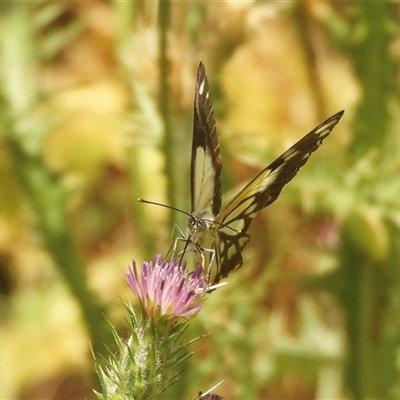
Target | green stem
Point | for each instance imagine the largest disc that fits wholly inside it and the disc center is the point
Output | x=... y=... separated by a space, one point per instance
x=310 y=58
x=19 y=94
x=46 y=196
x=126 y=12
x=170 y=143
x=374 y=66
x=362 y=300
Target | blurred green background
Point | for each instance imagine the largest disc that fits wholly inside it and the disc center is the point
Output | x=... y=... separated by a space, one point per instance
x=96 y=109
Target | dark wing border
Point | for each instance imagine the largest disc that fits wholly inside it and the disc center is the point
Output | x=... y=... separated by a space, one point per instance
x=265 y=187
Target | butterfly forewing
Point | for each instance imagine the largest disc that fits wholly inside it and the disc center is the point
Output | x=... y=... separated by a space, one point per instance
x=206 y=162
x=206 y=165
x=262 y=190
x=234 y=220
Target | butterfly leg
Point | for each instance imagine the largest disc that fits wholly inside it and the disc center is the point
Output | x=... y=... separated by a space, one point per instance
x=198 y=252
x=206 y=262
x=174 y=241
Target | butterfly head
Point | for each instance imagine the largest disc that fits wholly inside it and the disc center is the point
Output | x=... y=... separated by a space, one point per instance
x=200 y=230
x=200 y=221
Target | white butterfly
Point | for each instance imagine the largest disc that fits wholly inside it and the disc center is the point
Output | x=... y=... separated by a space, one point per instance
x=219 y=236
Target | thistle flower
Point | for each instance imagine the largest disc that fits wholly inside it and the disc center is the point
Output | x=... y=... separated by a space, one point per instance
x=167 y=288
x=153 y=356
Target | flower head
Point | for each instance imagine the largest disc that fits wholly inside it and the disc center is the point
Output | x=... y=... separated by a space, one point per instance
x=167 y=288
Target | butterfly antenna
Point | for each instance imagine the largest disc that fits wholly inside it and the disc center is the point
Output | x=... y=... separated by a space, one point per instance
x=140 y=200
x=183 y=252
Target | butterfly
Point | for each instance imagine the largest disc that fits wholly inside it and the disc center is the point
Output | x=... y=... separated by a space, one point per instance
x=218 y=236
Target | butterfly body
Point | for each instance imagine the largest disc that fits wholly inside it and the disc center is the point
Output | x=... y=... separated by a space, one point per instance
x=218 y=237
x=201 y=236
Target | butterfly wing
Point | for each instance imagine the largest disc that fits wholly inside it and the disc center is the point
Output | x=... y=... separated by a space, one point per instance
x=205 y=171
x=234 y=220
x=206 y=162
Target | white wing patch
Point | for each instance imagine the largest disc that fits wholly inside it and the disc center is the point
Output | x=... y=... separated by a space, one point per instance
x=201 y=87
x=204 y=180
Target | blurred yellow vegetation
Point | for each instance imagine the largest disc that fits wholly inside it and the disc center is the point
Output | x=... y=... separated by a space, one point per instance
x=98 y=103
